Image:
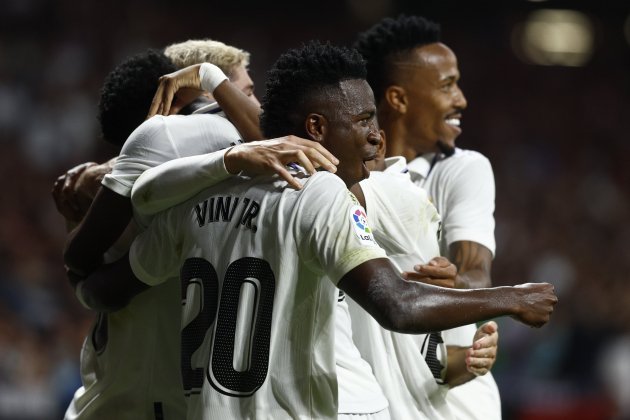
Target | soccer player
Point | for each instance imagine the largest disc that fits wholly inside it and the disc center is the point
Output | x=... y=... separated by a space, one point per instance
x=415 y=81
x=406 y=224
x=258 y=308
x=123 y=376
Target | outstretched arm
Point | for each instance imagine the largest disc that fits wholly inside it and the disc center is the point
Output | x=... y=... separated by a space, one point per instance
x=175 y=181
x=414 y=307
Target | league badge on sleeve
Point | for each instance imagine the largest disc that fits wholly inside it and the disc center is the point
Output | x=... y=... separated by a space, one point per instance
x=359 y=221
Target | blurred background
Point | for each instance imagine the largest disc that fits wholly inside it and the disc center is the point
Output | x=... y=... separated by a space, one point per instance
x=548 y=88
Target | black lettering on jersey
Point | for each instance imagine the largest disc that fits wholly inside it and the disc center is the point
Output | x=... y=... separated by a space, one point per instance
x=200 y=211
x=248 y=214
x=224 y=212
x=245 y=205
x=217 y=209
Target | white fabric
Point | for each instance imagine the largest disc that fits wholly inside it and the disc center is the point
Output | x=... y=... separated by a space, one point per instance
x=380 y=415
x=210 y=76
x=301 y=235
x=359 y=392
x=462 y=188
x=172 y=183
x=175 y=181
x=128 y=376
x=397 y=360
x=160 y=139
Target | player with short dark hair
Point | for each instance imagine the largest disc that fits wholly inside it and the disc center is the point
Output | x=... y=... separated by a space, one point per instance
x=126 y=92
x=420 y=106
x=123 y=374
x=260 y=343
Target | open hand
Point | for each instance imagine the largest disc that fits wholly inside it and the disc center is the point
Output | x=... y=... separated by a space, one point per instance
x=481 y=356
x=272 y=156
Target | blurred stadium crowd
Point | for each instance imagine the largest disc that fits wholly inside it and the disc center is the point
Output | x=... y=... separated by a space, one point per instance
x=558 y=139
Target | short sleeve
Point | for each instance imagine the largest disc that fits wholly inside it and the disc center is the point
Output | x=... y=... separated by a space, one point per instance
x=147 y=146
x=155 y=254
x=469 y=206
x=334 y=233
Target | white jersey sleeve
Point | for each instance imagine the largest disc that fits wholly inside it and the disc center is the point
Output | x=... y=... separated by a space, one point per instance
x=463 y=190
x=338 y=236
x=155 y=254
x=175 y=181
x=160 y=139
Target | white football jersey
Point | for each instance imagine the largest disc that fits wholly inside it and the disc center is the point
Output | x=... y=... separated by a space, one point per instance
x=462 y=188
x=123 y=376
x=409 y=368
x=359 y=391
x=254 y=259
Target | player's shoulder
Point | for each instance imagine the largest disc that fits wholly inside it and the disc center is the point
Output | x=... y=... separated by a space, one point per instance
x=322 y=189
x=463 y=162
x=322 y=180
x=468 y=156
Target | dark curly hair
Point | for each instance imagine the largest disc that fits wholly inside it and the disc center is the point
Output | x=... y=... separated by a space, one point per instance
x=390 y=40
x=302 y=73
x=127 y=93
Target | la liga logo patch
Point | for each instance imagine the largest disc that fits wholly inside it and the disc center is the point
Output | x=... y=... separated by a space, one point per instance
x=359 y=222
x=360 y=219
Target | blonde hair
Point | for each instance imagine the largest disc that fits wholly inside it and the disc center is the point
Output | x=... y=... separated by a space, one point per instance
x=195 y=51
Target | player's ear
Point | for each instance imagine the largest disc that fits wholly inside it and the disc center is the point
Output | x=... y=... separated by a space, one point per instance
x=396 y=98
x=316 y=126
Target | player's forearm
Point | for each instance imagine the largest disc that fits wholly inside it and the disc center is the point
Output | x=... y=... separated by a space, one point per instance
x=474 y=262
x=417 y=308
x=103 y=224
x=175 y=181
x=240 y=110
x=110 y=287
x=456 y=371
x=423 y=308
x=473 y=279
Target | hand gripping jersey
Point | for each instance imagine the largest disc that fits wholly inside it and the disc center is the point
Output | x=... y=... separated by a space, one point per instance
x=462 y=188
x=130 y=362
x=408 y=367
x=258 y=265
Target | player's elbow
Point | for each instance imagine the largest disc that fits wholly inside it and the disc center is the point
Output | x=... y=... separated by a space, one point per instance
x=101 y=299
x=394 y=319
x=389 y=312
x=78 y=258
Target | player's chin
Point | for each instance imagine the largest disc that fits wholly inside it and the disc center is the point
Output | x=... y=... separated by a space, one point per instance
x=446 y=146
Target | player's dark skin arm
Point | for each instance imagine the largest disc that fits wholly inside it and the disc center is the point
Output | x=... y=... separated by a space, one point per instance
x=105 y=221
x=110 y=213
x=111 y=286
x=456 y=372
x=414 y=307
x=474 y=262
x=240 y=110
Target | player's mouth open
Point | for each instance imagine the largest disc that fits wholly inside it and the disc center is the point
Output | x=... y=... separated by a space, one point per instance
x=453 y=121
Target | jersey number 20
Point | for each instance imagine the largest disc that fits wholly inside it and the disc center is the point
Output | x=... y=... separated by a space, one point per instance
x=255 y=275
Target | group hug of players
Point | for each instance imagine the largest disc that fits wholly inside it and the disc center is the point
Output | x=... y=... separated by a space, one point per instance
x=334 y=270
